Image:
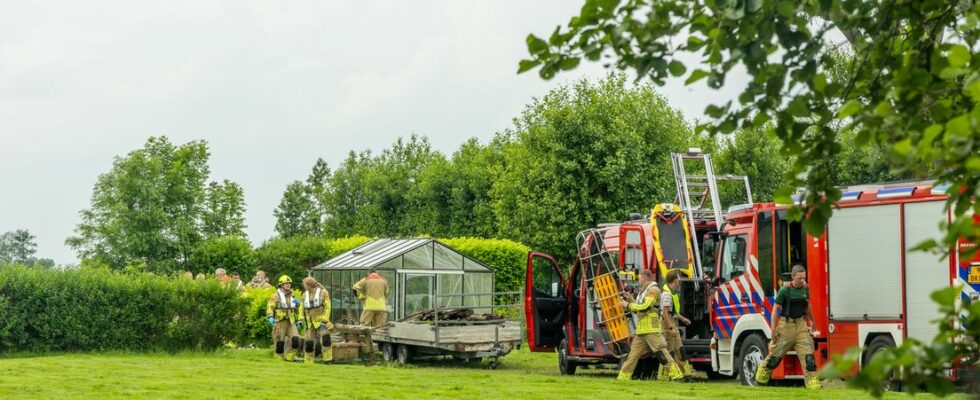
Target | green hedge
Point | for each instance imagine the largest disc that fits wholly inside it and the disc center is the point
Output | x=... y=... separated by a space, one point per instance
x=93 y=309
x=294 y=256
x=507 y=258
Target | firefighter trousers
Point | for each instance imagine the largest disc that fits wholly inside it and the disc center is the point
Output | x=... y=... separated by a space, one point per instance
x=643 y=345
x=285 y=338
x=793 y=335
x=374 y=319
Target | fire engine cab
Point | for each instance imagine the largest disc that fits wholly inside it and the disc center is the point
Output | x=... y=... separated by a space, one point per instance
x=868 y=287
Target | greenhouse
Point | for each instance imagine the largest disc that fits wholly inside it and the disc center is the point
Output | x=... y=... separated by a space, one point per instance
x=418 y=271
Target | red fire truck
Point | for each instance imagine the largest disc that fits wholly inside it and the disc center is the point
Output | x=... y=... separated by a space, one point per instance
x=868 y=288
x=562 y=312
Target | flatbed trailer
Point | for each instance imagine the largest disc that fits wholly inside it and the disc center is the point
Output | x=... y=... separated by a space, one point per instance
x=464 y=340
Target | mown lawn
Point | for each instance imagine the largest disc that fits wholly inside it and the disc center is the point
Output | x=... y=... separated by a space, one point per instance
x=253 y=374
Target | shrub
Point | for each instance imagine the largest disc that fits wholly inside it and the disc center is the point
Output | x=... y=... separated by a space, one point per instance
x=232 y=253
x=294 y=256
x=507 y=258
x=95 y=309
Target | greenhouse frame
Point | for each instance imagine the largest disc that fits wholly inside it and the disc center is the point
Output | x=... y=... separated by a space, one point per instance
x=418 y=271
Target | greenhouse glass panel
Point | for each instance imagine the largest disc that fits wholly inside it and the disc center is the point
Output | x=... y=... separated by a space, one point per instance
x=420 y=258
x=450 y=288
x=418 y=293
x=392 y=264
x=447 y=259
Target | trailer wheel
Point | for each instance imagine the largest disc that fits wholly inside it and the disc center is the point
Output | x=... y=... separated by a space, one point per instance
x=750 y=356
x=565 y=366
x=877 y=345
x=388 y=352
x=404 y=354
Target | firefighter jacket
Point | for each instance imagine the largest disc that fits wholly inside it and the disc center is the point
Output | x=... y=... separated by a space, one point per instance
x=283 y=306
x=315 y=307
x=647 y=312
x=372 y=291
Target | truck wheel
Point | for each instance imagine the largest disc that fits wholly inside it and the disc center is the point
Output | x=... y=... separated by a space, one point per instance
x=388 y=352
x=404 y=354
x=750 y=356
x=877 y=345
x=565 y=366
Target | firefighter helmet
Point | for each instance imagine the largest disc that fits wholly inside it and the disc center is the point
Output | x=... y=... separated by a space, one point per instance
x=285 y=279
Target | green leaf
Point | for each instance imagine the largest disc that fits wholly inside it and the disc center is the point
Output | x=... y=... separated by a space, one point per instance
x=973 y=90
x=959 y=126
x=952 y=72
x=903 y=147
x=946 y=296
x=883 y=109
x=799 y=108
x=535 y=45
x=527 y=65
x=819 y=83
x=695 y=76
x=786 y=8
x=973 y=164
x=848 y=109
x=753 y=5
x=676 y=68
x=958 y=56
x=568 y=63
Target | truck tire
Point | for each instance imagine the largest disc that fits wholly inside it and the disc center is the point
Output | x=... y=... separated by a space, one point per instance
x=404 y=354
x=750 y=355
x=565 y=366
x=877 y=345
x=388 y=352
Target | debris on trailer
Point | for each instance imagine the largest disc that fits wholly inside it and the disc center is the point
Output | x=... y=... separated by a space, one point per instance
x=459 y=314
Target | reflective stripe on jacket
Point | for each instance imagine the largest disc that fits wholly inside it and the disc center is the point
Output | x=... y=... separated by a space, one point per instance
x=648 y=318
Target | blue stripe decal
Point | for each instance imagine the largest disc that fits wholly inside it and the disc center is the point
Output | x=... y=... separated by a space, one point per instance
x=896 y=192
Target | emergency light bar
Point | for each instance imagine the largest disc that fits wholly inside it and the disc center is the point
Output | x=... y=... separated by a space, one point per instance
x=896 y=192
x=941 y=189
x=850 y=196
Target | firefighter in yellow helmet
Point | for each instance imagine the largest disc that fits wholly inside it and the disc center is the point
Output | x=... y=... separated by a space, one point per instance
x=649 y=330
x=316 y=318
x=372 y=290
x=792 y=330
x=284 y=312
x=670 y=308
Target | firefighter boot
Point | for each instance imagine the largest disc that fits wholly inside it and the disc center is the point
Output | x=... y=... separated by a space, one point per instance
x=310 y=357
x=328 y=354
x=624 y=376
x=674 y=372
x=662 y=373
x=762 y=375
x=687 y=369
x=812 y=382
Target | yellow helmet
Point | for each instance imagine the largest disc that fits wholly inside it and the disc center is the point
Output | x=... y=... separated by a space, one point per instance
x=285 y=279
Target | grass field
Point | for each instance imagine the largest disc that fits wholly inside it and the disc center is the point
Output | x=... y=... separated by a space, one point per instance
x=253 y=374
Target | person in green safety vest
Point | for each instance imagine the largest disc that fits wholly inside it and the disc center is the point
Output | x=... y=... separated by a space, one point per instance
x=670 y=307
x=649 y=330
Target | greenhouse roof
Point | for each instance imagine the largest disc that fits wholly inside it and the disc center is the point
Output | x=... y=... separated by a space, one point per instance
x=388 y=254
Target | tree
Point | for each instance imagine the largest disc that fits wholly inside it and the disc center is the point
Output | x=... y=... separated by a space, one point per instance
x=17 y=247
x=233 y=253
x=224 y=210
x=583 y=154
x=912 y=87
x=148 y=209
x=347 y=199
x=302 y=210
x=756 y=155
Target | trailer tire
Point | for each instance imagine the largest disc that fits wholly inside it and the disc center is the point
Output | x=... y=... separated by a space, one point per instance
x=404 y=354
x=750 y=355
x=565 y=366
x=877 y=345
x=388 y=352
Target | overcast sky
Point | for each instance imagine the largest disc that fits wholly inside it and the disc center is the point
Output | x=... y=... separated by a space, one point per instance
x=270 y=85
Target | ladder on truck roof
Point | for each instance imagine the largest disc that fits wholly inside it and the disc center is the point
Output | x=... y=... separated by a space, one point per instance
x=697 y=194
x=602 y=283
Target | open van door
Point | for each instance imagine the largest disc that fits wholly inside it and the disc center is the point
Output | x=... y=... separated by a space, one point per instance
x=545 y=306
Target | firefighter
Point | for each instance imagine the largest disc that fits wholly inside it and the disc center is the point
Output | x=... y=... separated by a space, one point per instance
x=316 y=317
x=284 y=314
x=649 y=330
x=372 y=290
x=792 y=330
x=670 y=306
